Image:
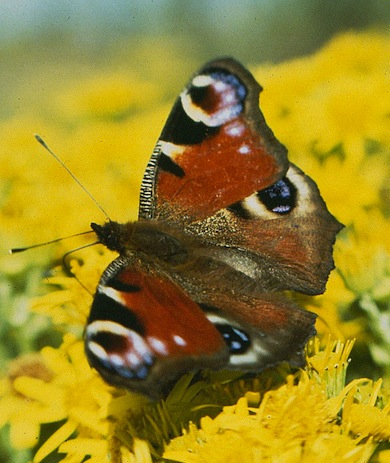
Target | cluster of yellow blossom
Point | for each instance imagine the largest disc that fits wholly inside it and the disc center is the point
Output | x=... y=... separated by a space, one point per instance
x=298 y=422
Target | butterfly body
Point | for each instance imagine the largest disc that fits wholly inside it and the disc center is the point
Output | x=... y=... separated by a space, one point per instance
x=226 y=224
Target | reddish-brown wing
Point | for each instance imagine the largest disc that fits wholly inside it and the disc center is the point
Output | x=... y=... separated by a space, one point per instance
x=281 y=236
x=276 y=328
x=219 y=172
x=215 y=149
x=143 y=331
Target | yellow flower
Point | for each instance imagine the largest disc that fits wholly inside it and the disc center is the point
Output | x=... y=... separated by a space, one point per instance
x=112 y=95
x=23 y=415
x=100 y=451
x=299 y=422
x=69 y=305
x=364 y=255
x=59 y=386
x=330 y=306
x=36 y=190
x=364 y=419
x=326 y=97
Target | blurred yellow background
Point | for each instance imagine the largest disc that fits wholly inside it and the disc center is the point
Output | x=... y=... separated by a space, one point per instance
x=86 y=35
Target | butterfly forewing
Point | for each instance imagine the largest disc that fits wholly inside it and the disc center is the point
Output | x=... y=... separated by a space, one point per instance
x=214 y=150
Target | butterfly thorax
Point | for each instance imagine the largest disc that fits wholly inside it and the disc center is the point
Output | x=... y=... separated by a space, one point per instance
x=147 y=237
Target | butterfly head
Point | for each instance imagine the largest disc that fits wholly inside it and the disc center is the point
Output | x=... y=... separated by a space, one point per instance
x=111 y=234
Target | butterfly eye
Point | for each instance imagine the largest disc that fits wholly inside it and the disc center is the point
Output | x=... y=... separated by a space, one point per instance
x=236 y=339
x=279 y=197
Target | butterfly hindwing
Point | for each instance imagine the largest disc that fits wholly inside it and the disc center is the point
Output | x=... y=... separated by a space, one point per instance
x=261 y=331
x=143 y=331
x=282 y=236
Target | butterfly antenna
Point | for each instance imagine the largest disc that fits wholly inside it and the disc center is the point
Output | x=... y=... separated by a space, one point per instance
x=66 y=264
x=15 y=250
x=43 y=143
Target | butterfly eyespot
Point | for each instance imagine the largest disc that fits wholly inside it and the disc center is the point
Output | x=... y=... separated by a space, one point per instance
x=280 y=197
x=118 y=351
x=231 y=80
x=214 y=98
x=236 y=339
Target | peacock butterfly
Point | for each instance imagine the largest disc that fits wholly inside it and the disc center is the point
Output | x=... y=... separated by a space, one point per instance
x=226 y=223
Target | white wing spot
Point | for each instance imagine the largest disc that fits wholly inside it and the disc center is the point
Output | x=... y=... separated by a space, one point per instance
x=235 y=129
x=97 y=350
x=170 y=149
x=304 y=201
x=220 y=86
x=137 y=347
x=157 y=345
x=256 y=207
x=202 y=80
x=106 y=326
x=117 y=360
x=244 y=149
x=179 y=340
x=256 y=352
x=112 y=293
x=133 y=359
